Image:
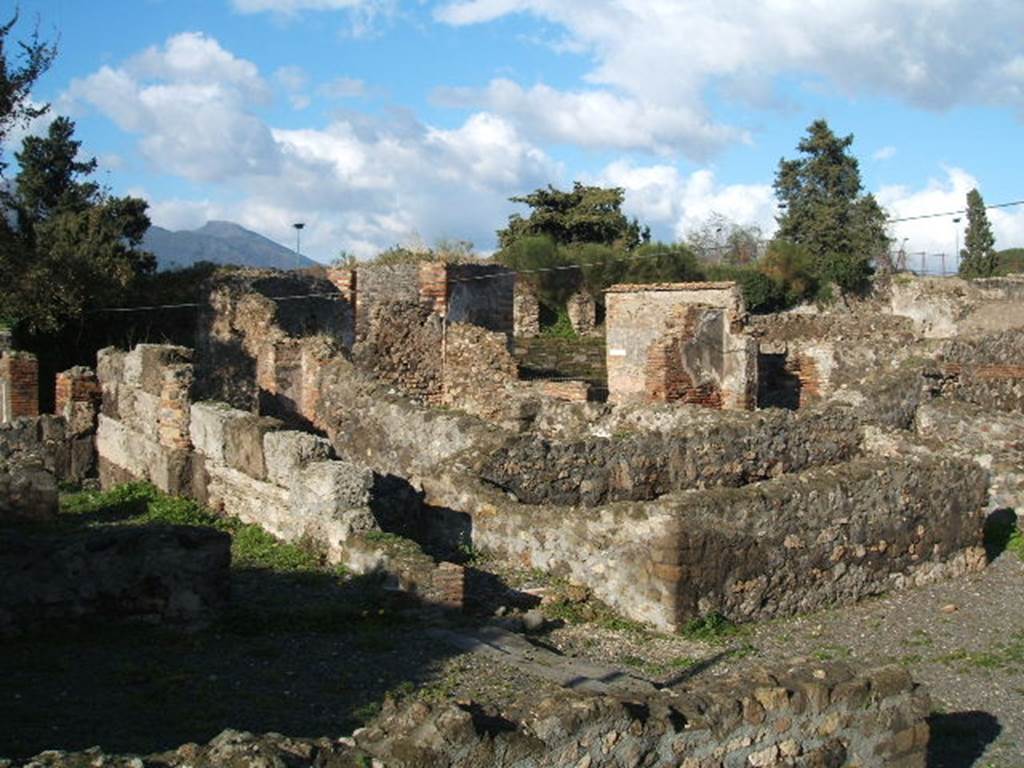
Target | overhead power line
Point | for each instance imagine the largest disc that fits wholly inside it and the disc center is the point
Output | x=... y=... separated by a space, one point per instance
x=952 y=213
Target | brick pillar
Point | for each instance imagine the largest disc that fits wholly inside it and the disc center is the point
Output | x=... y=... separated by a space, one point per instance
x=434 y=286
x=344 y=280
x=78 y=399
x=20 y=373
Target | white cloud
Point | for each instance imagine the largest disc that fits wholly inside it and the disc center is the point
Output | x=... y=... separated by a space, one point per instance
x=664 y=56
x=363 y=15
x=597 y=118
x=939 y=235
x=190 y=102
x=884 y=153
x=674 y=204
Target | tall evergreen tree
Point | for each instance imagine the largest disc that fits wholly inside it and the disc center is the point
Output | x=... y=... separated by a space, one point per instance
x=826 y=211
x=978 y=256
x=16 y=80
x=74 y=246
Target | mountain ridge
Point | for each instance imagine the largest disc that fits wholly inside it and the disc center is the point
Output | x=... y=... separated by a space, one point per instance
x=220 y=242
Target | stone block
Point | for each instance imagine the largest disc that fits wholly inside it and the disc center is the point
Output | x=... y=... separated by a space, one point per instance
x=243 y=443
x=286 y=452
x=326 y=489
x=206 y=427
x=144 y=365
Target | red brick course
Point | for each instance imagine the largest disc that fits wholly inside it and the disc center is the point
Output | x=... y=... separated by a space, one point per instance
x=21 y=371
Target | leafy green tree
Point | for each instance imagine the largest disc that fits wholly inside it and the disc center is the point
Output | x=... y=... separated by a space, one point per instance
x=17 y=78
x=826 y=211
x=978 y=256
x=584 y=215
x=74 y=246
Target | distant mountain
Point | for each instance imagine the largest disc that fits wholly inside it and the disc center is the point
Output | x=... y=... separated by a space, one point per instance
x=221 y=242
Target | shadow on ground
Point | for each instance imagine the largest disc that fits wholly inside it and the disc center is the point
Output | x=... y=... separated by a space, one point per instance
x=307 y=654
x=958 y=739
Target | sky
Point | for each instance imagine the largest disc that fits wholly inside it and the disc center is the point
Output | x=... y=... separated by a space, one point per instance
x=382 y=122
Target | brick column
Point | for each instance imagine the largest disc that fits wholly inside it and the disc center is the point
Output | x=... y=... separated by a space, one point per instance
x=450 y=582
x=78 y=398
x=434 y=286
x=20 y=373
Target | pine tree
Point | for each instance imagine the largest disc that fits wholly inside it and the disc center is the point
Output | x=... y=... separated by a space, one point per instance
x=825 y=210
x=978 y=256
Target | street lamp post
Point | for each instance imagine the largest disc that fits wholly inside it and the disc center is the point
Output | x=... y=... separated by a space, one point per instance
x=956 y=253
x=298 y=243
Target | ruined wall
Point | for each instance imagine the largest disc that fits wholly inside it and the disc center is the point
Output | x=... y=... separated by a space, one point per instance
x=650 y=333
x=38 y=453
x=832 y=535
x=582 y=310
x=804 y=358
x=636 y=464
x=941 y=308
x=780 y=547
x=481 y=295
x=168 y=574
x=806 y=715
x=479 y=373
x=247 y=329
x=987 y=371
x=525 y=311
x=378 y=285
x=404 y=348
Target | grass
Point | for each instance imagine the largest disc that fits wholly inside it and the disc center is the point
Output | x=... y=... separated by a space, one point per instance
x=1002 y=656
x=142 y=504
x=711 y=628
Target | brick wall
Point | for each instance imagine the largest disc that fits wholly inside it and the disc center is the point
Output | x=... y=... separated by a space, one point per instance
x=667 y=377
x=20 y=372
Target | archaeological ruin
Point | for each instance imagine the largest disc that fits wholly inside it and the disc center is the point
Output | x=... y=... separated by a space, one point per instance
x=707 y=463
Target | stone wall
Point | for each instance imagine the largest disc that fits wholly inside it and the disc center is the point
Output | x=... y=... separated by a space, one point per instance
x=783 y=546
x=651 y=335
x=38 y=453
x=803 y=715
x=252 y=468
x=245 y=348
x=479 y=373
x=525 y=311
x=582 y=310
x=941 y=308
x=171 y=574
x=404 y=348
x=804 y=358
x=19 y=385
x=633 y=464
x=988 y=371
x=806 y=715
